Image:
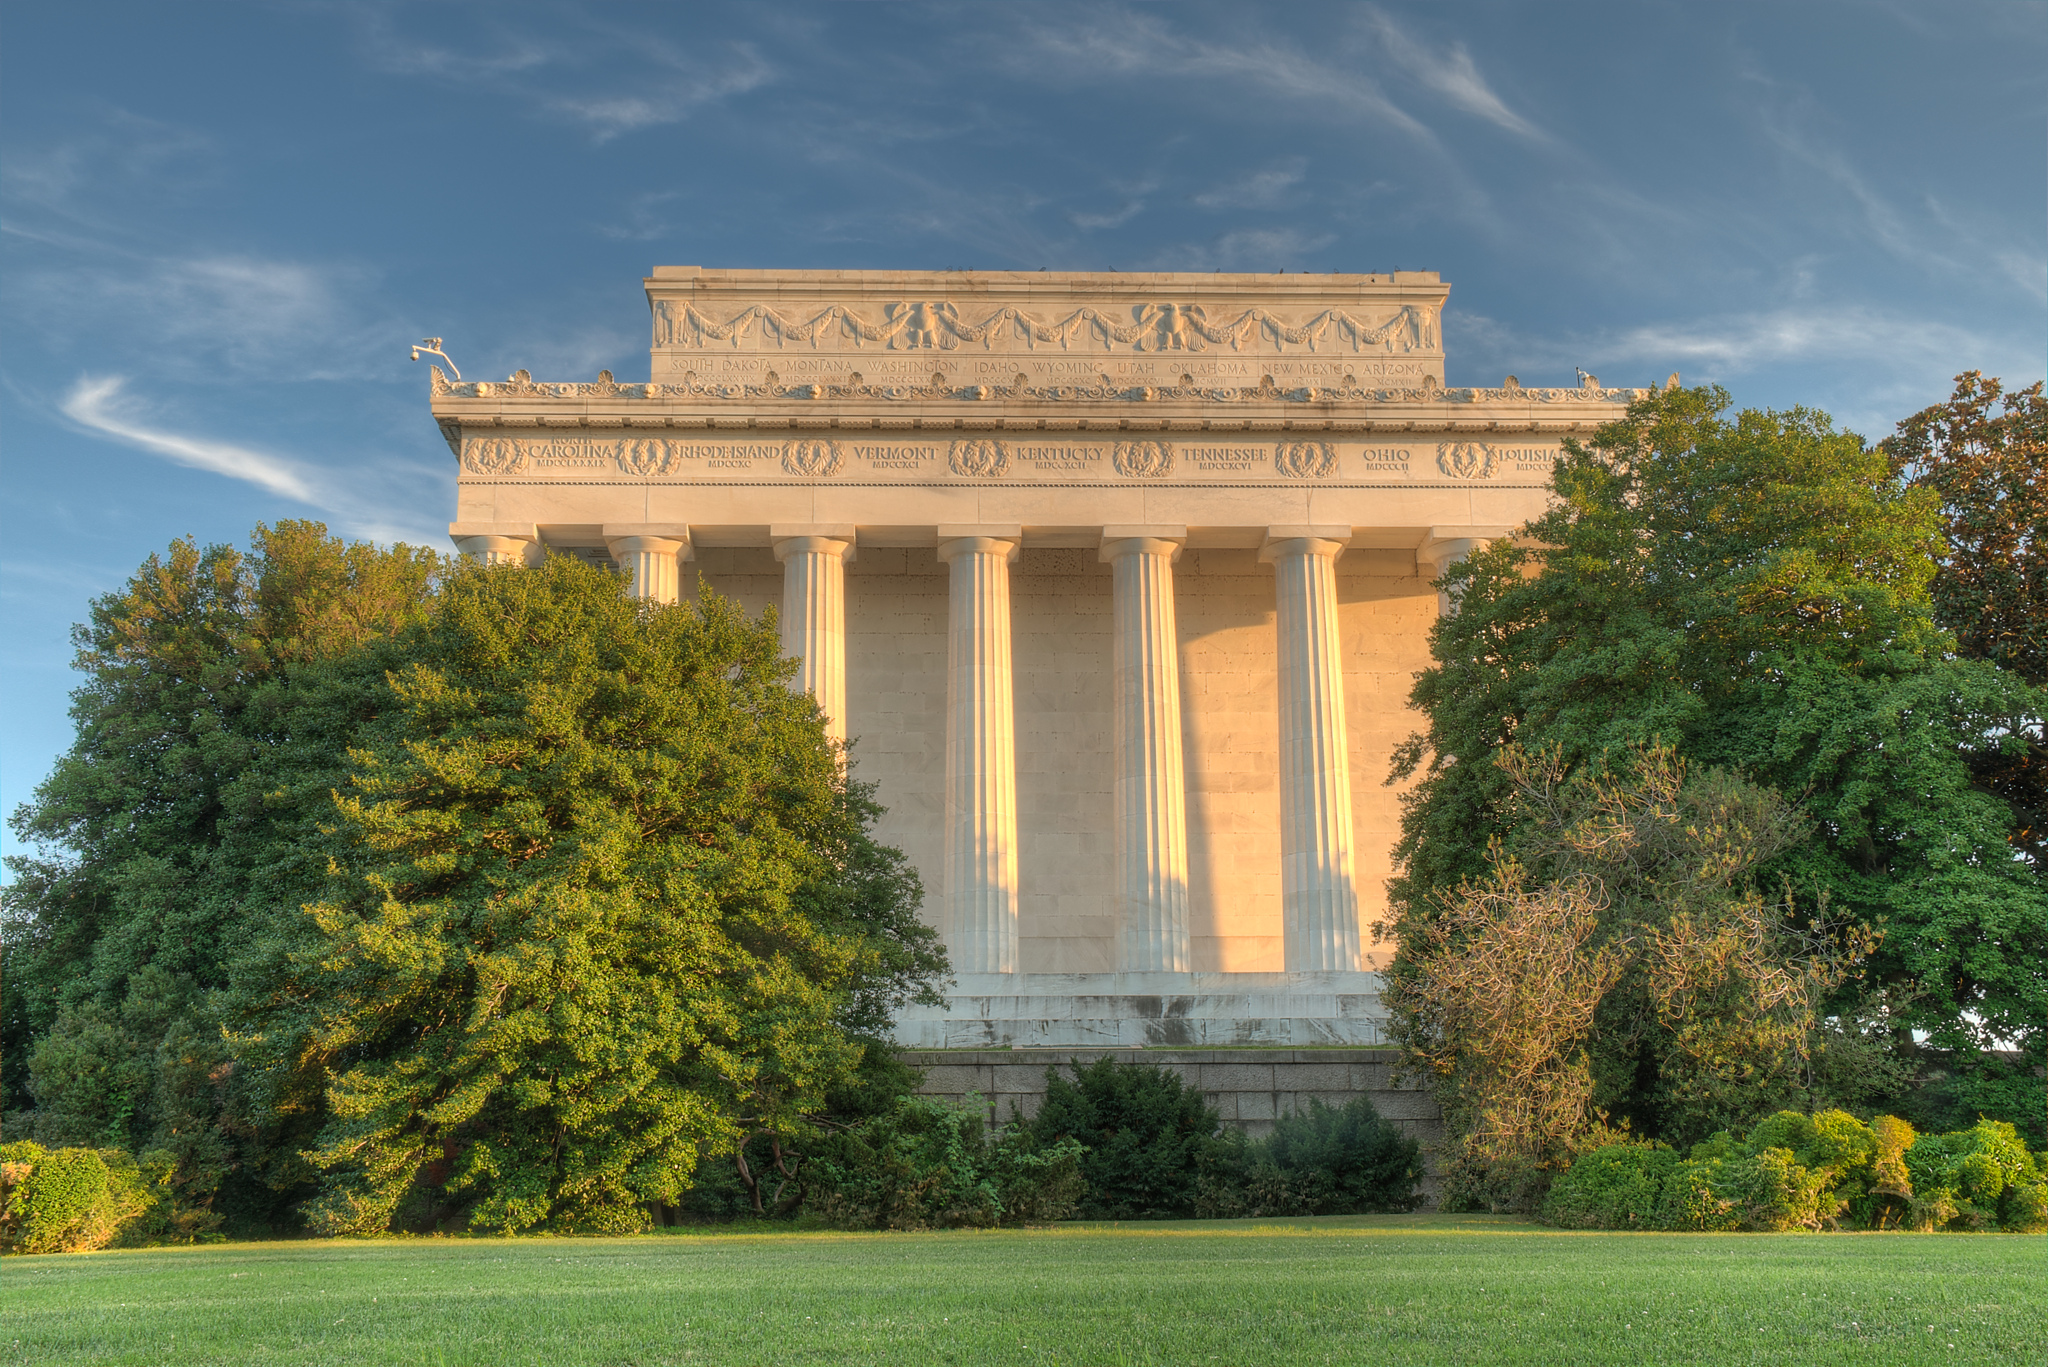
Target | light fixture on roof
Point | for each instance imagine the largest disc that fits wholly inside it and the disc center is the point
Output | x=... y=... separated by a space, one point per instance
x=431 y=346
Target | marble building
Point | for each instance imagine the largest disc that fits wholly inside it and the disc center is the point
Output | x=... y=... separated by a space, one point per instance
x=1115 y=583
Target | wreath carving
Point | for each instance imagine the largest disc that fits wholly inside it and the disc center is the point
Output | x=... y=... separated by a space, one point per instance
x=982 y=459
x=495 y=456
x=1143 y=459
x=644 y=457
x=816 y=457
x=1305 y=459
x=1465 y=459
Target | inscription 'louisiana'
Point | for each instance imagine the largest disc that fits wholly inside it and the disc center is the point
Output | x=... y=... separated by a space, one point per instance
x=985 y=458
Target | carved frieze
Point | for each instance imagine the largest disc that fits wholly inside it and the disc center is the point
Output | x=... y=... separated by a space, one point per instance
x=1041 y=457
x=939 y=325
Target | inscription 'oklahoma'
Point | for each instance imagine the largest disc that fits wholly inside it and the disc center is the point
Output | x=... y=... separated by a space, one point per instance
x=1114 y=583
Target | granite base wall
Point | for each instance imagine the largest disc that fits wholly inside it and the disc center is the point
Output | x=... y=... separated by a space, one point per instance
x=1249 y=1086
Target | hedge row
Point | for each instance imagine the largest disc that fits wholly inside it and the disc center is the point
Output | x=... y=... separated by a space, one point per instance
x=1116 y=1141
x=1827 y=1171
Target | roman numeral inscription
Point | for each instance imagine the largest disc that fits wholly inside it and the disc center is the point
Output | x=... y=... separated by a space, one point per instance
x=994 y=459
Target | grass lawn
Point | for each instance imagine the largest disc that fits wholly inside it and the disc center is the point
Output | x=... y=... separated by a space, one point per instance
x=1458 y=1290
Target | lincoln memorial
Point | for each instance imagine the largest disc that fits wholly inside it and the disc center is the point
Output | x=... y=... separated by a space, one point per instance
x=1114 y=584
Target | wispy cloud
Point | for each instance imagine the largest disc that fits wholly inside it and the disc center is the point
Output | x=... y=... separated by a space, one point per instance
x=367 y=503
x=645 y=81
x=1252 y=249
x=99 y=404
x=1121 y=42
x=1262 y=189
x=674 y=96
x=1452 y=74
x=1115 y=218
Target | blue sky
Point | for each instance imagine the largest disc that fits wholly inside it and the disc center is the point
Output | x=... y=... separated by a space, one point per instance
x=224 y=224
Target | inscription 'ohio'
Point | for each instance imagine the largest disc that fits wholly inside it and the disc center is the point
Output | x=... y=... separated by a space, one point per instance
x=992 y=459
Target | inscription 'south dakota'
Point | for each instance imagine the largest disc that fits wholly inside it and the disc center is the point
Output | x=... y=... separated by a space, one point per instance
x=998 y=460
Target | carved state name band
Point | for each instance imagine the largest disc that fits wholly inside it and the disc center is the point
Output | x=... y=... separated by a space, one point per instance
x=988 y=458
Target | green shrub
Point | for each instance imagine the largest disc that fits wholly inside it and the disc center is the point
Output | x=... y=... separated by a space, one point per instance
x=1617 y=1186
x=1813 y=1172
x=1979 y=1178
x=1150 y=1138
x=1341 y=1160
x=1345 y=1160
x=67 y=1200
x=927 y=1164
x=1772 y=1191
x=1691 y=1199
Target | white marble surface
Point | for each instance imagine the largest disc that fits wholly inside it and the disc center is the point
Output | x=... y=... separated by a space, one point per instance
x=1125 y=1010
x=1151 y=783
x=981 y=755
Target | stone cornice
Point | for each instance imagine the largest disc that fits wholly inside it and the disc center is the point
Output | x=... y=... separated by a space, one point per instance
x=522 y=386
x=522 y=402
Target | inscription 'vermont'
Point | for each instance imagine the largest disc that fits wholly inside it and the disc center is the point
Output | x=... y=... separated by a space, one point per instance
x=991 y=458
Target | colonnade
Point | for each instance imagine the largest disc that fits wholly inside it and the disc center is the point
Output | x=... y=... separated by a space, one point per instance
x=1319 y=897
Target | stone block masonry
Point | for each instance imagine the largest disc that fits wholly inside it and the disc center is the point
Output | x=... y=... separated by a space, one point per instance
x=1115 y=585
x=1250 y=1087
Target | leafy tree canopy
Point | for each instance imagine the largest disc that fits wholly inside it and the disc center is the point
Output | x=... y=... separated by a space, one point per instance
x=602 y=902
x=1755 y=591
x=1984 y=454
x=371 y=871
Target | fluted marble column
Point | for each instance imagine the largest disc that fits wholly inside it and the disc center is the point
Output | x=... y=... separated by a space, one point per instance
x=814 y=619
x=1318 y=881
x=1151 y=784
x=1437 y=555
x=654 y=560
x=981 y=755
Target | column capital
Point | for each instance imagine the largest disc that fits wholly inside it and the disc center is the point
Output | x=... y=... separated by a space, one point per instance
x=957 y=539
x=1142 y=539
x=658 y=538
x=789 y=542
x=1304 y=540
x=1442 y=545
x=498 y=543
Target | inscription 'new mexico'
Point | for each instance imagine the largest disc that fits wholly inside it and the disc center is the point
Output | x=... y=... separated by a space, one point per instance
x=1116 y=584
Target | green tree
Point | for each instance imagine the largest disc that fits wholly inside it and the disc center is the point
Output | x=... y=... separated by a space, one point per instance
x=1755 y=592
x=1984 y=454
x=602 y=902
x=177 y=837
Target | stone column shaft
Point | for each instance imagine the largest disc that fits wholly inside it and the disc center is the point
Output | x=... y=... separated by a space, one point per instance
x=814 y=620
x=1151 y=782
x=981 y=756
x=1318 y=882
x=1436 y=557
